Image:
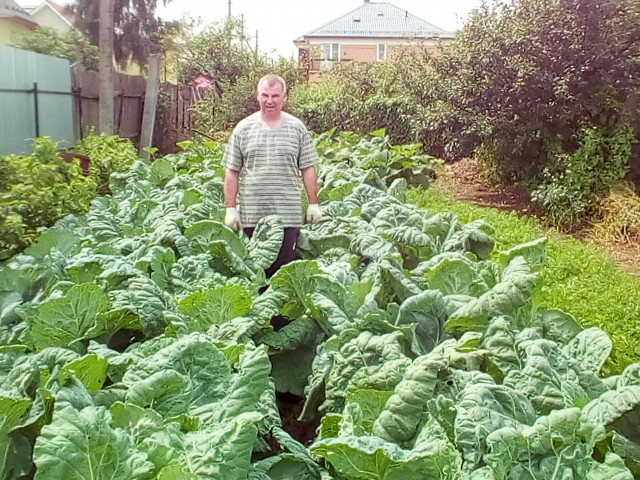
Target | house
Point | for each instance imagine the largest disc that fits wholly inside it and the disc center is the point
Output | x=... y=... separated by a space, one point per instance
x=14 y=21
x=375 y=31
x=52 y=15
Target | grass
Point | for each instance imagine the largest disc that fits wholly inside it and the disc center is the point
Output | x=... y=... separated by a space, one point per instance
x=577 y=278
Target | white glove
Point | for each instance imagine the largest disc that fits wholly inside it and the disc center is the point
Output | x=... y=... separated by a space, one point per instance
x=232 y=219
x=314 y=215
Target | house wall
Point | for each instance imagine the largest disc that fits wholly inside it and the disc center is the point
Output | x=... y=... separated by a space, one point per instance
x=366 y=49
x=48 y=18
x=11 y=30
x=359 y=53
x=362 y=50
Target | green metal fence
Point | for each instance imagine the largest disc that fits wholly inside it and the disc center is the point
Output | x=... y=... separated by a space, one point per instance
x=36 y=99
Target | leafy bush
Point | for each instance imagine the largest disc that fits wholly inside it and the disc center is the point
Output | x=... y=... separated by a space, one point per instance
x=37 y=190
x=362 y=98
x=146 y=329
x=528 y=76
x=72 y=45
x=108 y=154
x=321 y=106
x=573 y=186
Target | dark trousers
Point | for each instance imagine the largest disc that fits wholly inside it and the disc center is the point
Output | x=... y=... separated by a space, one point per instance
x=287 y=251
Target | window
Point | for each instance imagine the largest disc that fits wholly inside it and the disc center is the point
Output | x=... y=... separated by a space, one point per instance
x=382 y=51
x=330 y=51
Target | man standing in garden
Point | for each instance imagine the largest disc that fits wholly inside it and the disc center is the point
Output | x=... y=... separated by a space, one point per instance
x=269 y=157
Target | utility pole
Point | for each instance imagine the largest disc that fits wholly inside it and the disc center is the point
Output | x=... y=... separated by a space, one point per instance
x=229 y=13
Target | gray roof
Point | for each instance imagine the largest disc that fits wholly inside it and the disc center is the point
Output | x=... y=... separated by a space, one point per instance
x=379 y=20
x=10 y=9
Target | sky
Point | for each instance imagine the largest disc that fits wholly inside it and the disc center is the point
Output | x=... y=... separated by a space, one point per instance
x=279 y=22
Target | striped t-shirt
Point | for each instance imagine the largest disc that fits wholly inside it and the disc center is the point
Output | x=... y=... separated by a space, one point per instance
x=269 y=162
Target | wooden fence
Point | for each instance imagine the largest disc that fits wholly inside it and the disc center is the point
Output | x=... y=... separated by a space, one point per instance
x=174 y=119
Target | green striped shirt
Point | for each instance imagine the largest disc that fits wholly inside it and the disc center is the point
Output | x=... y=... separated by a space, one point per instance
x=269 y=162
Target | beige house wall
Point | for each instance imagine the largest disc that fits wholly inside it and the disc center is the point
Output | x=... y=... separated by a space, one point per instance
x=11 y=30
x=354 y=48
x=48 y=18
x=359 y=53
x=361 y=50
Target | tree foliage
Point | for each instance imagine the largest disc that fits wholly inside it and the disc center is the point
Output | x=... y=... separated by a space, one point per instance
x=72 y=45
x=394 y=95
x=136 y=29
x=526 y=77
x=222 y=55
x=539 y=91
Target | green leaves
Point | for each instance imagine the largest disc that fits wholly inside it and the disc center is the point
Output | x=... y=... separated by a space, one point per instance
x=141 y=343
x=81 y=445
x=179 y=378
x=215 y=307
x=11 y=412
x=66 y=321
x=266 y=241
x=36 y=191
x=513 y=292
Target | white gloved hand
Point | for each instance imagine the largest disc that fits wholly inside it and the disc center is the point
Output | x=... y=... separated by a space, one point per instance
x=314 y=215
x=232 y=219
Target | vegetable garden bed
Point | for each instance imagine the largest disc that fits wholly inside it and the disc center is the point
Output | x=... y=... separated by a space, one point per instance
x=137 y=342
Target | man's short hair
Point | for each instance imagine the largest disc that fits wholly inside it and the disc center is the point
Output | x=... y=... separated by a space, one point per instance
x=271 y=80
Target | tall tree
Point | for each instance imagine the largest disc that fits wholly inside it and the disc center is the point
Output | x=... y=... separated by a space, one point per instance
x=135 y=27
x=124 y=30
x=105 y=68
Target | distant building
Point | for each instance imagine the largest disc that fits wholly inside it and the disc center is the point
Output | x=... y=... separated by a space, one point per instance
x=375 y=31
x=14 y=21
x=51 y=14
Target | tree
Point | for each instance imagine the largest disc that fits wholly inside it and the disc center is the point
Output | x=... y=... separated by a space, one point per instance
x=135 y=27
x=106 y=103
x=72 y=45
x=527 y=77
x=221 y=55
x=125 y=30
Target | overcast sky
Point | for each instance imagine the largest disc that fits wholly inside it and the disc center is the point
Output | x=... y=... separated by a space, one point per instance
x=279 y=22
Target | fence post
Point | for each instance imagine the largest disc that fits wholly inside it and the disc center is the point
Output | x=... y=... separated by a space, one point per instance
x=150 y=102
x=36 y=109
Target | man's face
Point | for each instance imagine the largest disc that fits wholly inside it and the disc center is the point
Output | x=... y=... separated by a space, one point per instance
x=271 y=98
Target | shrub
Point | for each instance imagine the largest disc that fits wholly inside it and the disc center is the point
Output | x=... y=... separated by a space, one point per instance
x=572 y=186
x=35 y=191
x=72 y=45
x=364 y=97
x=108 y=154
x=530 y=74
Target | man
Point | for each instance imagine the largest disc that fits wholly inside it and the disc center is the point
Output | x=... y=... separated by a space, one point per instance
x=268 y=155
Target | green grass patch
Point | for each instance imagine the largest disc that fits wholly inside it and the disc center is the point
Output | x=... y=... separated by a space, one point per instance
x=577 y=278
